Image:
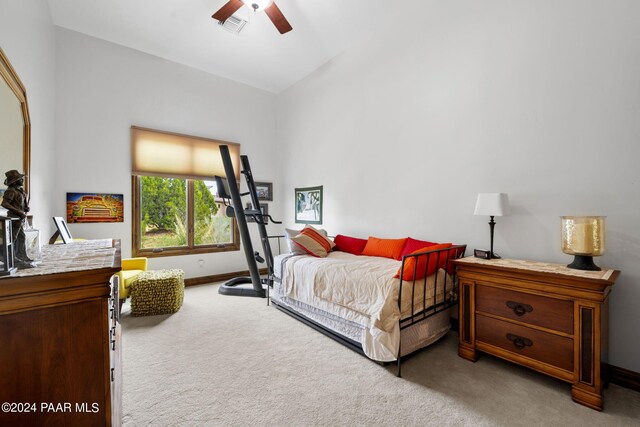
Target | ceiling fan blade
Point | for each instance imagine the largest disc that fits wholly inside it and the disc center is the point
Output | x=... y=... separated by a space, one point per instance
x=278 y=19
x=227 y=10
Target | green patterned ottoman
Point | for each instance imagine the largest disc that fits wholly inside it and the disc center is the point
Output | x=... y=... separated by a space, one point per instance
x=157 y=292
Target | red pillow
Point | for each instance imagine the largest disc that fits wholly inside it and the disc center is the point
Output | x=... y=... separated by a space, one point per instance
x=353 y=245
x=453 y=254
x=435 y=262
x=387 y=248
x=413 y=245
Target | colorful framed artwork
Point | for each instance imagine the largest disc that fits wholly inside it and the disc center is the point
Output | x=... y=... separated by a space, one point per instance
x=308 y=205
x=94 y=207
x=265 y=191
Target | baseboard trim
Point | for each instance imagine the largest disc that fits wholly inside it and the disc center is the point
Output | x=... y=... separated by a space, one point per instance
x=624 y=377
x=195 y=281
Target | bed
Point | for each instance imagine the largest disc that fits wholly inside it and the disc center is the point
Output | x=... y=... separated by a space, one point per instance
x=357 y=301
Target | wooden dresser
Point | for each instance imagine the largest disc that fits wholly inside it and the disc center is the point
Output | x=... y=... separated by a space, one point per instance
x=60 y=339
x=544 y=316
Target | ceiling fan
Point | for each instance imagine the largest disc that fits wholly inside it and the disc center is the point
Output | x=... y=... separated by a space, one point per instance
x=269 y=7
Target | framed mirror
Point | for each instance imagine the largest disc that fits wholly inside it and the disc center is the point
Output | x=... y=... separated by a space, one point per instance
x=15 y=127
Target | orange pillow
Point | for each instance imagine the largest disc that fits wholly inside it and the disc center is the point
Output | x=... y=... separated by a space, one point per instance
x=434 y=262
x=386 y=248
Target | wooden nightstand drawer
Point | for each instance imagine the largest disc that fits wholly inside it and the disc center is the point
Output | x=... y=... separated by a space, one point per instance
x=541 y=346
x=536 y=310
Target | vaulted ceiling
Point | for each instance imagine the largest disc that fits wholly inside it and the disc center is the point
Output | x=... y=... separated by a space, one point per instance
x=183 y=31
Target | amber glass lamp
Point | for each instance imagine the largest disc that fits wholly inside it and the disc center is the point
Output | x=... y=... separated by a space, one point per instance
x=583 y=237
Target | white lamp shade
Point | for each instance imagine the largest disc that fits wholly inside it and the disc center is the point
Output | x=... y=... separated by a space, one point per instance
x=492 y=204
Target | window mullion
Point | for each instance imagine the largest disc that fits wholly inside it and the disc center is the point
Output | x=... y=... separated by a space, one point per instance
x=136 y=192
x=190 y=214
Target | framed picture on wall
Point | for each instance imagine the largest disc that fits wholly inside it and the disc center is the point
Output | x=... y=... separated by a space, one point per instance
x=308 y=205
x=95 y=207
x=265 y=191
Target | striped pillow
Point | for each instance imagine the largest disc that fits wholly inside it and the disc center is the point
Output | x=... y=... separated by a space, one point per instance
x=290 y=234
x=313 y=242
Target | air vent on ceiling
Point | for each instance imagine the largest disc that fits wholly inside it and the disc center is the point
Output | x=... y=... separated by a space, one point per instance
x=233 y=24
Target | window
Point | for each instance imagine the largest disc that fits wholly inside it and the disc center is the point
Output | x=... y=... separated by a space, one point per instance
x=180 y=216
x=175 y=208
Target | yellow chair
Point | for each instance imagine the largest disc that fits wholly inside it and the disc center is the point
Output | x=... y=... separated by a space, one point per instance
x=131 y=267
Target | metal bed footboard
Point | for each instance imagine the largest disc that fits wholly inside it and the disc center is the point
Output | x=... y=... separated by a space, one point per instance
x=423 y=262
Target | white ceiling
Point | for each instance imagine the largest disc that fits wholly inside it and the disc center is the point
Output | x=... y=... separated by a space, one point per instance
x=183 y=31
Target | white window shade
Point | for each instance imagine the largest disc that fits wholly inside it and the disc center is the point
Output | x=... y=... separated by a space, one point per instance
x=179 y=156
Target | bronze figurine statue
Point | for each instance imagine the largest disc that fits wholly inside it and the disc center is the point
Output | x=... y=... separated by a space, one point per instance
x=16 y=201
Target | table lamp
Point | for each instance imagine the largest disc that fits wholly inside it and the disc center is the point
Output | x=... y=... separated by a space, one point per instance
x=583 y=237
x=492 y=204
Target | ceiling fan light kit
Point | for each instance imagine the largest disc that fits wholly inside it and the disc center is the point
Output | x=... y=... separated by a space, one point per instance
x=270 y=9
x=258 y=4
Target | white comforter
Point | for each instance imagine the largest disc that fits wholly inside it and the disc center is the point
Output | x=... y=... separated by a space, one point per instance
x=360 y=289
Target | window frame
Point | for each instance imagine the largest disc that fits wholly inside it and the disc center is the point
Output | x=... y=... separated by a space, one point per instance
x=190 y=248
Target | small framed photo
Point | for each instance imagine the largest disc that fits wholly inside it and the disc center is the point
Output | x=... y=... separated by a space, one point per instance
x=62 y=230
x=308 y=205
x=265 y=191
x=264 y=208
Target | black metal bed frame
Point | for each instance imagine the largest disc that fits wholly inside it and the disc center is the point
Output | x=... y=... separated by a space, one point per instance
x=233 y=287
x=445 y=255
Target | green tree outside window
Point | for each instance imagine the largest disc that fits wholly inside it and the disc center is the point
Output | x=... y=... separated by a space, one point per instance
x=164 y=214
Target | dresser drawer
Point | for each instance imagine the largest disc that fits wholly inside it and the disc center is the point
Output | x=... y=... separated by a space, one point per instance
x=542 y=346
x=536 y=310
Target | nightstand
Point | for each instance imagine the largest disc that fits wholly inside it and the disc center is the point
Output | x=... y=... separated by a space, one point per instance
x=543 y=316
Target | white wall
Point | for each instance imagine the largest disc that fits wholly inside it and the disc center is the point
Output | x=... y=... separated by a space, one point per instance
x=536 y=99
x=103 y=89
x=27 y=37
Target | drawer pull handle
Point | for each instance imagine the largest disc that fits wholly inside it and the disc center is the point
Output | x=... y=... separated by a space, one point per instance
x=519 y=308
x=519 y=342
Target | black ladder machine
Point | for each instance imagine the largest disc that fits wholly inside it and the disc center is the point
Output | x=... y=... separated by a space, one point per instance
x=228 y=190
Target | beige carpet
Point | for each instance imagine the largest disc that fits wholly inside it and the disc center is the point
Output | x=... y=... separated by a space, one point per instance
x=234 y=361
